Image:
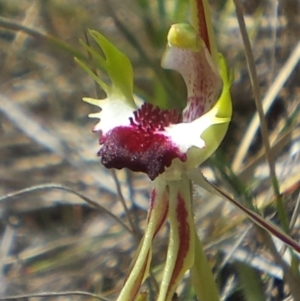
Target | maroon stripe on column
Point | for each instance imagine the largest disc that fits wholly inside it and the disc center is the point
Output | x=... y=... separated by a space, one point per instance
x=202 y=23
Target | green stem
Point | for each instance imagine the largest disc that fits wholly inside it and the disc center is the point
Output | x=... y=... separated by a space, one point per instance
x=11 y=24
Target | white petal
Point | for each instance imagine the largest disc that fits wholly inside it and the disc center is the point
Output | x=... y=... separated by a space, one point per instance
x=197 y=140
x=186 y=135
x=114 y=112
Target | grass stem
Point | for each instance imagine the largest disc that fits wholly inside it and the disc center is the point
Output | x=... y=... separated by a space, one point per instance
x=263 y=123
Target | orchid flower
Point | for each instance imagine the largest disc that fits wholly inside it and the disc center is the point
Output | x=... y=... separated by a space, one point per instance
x=166 y=145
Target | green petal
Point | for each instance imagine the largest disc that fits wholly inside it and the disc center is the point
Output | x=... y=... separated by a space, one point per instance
x=180 y=256
x=115 y=64
x=140 y=266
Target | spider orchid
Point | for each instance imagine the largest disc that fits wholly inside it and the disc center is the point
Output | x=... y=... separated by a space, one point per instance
x=166 y=145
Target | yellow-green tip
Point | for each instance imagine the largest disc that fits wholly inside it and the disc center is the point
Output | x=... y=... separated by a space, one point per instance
x=183 y=36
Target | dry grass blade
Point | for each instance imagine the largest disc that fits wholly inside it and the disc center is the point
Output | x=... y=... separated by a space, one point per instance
x=263 y=124
x=199 y=179
x=295 y=213
x=53 y=294
x=5 y=248
x=233 y=249
x=256 y=89
x=245 y=173
x=269 y=98
x=134 y=227
x=11 y=24
x=64 y=188
x=51 y=140
x=19 y=39
x=26 y=122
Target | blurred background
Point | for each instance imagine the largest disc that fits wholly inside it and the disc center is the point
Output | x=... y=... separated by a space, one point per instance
x=52 y=238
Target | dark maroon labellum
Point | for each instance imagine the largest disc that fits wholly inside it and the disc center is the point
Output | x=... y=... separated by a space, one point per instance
x=139 y=146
